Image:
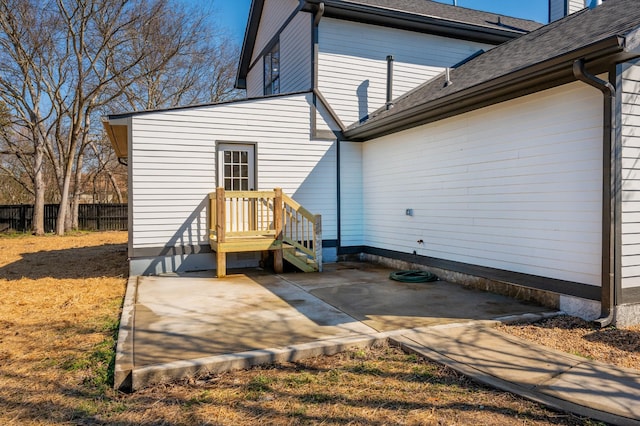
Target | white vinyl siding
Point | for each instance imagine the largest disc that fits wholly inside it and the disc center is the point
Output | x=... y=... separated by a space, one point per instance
x=173 y=164
x=255 y=80
x=630 y=126
x=274 y=14
x=557 y=8
x=352 y=66
x=295 y=55
x=576 y=5
x=351 y=229
x=515 y=186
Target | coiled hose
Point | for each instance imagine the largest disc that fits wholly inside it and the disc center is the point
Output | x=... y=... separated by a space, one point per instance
x=413 y=276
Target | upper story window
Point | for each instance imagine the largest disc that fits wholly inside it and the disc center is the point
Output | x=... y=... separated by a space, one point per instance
x=272 y=71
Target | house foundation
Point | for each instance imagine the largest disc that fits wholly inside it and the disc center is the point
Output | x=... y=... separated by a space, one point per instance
x=589 y=310
x=627 y=315
x=544 y=298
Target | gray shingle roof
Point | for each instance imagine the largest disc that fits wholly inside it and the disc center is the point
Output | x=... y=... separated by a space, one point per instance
x=452 y=13
x=556 y=44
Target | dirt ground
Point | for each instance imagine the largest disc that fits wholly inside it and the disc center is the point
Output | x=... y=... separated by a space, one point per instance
x=61 y=299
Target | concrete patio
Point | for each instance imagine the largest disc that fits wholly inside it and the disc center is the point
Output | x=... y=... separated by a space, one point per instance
x=180 y=326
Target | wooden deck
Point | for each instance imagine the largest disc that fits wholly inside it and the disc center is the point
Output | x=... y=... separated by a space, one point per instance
x=261 y=221
x=246 y=243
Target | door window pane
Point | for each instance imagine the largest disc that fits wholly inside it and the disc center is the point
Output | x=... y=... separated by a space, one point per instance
x=236 y=170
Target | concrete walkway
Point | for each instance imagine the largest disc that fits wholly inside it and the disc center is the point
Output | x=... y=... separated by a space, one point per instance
x=176 y=327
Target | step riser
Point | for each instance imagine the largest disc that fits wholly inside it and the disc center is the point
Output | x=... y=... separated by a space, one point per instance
x=299 y=263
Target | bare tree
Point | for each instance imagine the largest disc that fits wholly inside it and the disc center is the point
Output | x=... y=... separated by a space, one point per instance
x=202 y=72
x=23 y=52
x=222 y=66
x=5 y=117
x=105 y=171
x=64 y=62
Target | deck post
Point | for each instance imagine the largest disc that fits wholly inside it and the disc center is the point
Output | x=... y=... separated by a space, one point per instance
x=212 y=213
x=221 y=264
x=278 y=216
x=221 y=256
x=317 y=240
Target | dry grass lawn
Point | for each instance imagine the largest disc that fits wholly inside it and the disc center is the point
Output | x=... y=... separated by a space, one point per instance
x=61 y=298
x=617 y=346
x=58 y=317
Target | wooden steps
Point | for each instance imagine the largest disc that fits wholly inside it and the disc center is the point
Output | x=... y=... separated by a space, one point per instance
x=299 y=259
x=244 y=221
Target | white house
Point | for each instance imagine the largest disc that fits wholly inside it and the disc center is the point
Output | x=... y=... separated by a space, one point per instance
x=498 y=151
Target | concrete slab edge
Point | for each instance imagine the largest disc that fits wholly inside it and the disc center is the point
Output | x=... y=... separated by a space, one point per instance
x=410 y=346
x=124 y=346
x=528 y=318
x=130 y=379
x=178 y=370
x=547 y=387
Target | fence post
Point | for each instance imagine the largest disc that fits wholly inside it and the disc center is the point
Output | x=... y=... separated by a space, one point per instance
x=23 y=218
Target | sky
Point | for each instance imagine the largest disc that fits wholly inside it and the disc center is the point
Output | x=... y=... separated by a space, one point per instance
x=232 y=14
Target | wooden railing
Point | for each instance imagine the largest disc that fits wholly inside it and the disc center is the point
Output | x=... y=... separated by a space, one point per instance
x=242 y=214
x=302 y=229
x=263 y=220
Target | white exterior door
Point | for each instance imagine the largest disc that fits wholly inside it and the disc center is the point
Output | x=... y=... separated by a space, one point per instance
x=236 y=172
x=236 y=167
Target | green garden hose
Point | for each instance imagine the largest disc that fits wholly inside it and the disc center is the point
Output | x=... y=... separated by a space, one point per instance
x=413 y=276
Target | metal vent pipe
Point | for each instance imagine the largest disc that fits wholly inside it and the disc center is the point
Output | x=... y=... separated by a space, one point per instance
x=594 y=4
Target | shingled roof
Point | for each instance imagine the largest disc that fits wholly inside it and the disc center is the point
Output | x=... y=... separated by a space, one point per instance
x=414 y=15
x=432 y=9
x=542 y=59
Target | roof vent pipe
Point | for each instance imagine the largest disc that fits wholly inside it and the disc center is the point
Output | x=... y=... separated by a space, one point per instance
x=447 y=77
x=389 y=103
x=319 y=14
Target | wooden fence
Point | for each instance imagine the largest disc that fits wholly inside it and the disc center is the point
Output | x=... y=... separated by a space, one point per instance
x=91 y=217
